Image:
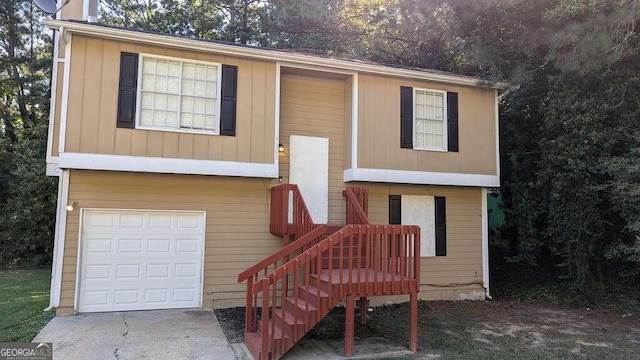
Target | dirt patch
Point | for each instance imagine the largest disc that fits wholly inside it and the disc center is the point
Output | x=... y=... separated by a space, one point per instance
x=483 y=329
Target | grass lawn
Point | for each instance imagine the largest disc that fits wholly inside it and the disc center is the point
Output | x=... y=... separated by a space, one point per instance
x=483 y=330
x=23 y=295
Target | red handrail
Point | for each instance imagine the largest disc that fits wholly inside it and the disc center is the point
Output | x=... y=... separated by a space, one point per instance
x=282 y=198
x=357 y=202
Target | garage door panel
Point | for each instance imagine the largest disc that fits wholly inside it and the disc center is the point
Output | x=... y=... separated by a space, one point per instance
x=136 y=260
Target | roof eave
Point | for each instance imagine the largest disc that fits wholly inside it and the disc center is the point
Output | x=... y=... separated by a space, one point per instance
x=257 y=53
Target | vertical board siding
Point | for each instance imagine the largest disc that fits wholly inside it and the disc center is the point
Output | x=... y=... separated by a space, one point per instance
x=379 y=129
x=443 y=277
x=313 y=106
x=93 y=96
x=237 y=225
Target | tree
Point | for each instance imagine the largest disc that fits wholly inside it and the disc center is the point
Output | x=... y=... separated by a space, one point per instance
x=27 y=208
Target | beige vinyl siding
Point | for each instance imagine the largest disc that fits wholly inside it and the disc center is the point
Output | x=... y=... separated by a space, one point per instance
x=459 y=273
x=315 y=106
x=93 y=100
x=237 y=225
x=379 y=129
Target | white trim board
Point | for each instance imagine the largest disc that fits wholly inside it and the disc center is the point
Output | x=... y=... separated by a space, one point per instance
x=420 y=177
x=166 y=165
x=65 y=93
x=485 y=243
x=59 y=237
x=264 y=54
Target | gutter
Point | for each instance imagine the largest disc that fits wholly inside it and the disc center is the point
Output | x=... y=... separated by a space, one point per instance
x=262 y=54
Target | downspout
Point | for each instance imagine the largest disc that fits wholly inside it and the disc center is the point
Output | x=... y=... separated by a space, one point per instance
x=58 y=246
x=485 y=243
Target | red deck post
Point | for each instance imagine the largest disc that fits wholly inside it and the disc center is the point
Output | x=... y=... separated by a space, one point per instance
x=349 y=326
x=413 y=322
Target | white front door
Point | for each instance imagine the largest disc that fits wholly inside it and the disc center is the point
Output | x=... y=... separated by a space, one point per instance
x=140 y=260
x=309 y=169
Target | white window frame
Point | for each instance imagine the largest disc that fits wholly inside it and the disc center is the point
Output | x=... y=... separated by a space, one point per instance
x=141 y=58
x=445 y=144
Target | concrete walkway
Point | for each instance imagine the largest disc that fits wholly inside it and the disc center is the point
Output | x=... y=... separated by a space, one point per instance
x=159 y=334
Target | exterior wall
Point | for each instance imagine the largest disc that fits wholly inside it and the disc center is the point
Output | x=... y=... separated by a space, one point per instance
x=310 y=106
x=237 y=227
x=379 y=129
x=93 y=96
x=458 y=275
x=314 y=106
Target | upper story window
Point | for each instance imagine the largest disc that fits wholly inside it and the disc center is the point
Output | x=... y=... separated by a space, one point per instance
x=430 y=124
x=176 y=94
x=428 y=119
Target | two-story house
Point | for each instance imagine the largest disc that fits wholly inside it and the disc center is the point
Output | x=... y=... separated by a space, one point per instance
x=167 y=149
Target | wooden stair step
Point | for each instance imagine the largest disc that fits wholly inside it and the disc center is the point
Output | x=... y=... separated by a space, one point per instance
x=253 y=342
x=274 y=327
x=289 y=318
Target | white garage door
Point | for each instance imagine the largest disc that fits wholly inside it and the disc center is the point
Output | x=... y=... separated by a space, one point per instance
x=140 y=260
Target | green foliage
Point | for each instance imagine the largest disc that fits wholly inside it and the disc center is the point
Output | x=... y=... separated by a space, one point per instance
x=27 y=196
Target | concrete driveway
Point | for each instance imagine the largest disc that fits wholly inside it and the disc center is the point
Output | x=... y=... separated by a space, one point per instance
x=160 y=334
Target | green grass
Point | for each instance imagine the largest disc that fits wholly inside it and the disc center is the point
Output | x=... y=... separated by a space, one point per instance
x=23 y=295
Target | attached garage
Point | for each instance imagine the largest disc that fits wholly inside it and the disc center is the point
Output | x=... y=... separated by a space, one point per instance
x=140 y=260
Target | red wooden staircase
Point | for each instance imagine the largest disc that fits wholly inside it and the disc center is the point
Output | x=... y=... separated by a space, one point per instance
x=290 y=291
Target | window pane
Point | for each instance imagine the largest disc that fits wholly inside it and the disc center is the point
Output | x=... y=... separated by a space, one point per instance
x=173 y=85
x=212 y=73
x=188 y=71
x=420 y=140
x=210 y=123
x=210 y=107
x=186 y=120
x=438 y=112
x=198 y=121
x=428 y=141
x=198 y=106
x=160 y=102
x=429 y=114
x=212 y=90
x=172 y=119
x=420 y=98
x=200 y=88
x=149 y=66
x=201 y=72
x=439 y=99
x=437 y=127
x=162 y=67
x=160 y=84
x=429 y=97
x=187 y=104
x=188 y=87
x=146 y=117
x=174 y=69
x=438 y=141
x=172 y=102
x=146 y=101
x=159 y=118
x=148 y=82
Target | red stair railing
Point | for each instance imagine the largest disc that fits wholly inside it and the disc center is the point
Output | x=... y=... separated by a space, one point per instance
x=357 y=205
x=289 y=214
x=269 y=264
x=390 y=265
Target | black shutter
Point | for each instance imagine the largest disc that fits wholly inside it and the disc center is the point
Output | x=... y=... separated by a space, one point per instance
x=441 y=226
x=127 y=90
x=452 y=121
x=228 y=100
x=395 y=214
x=406 y=117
